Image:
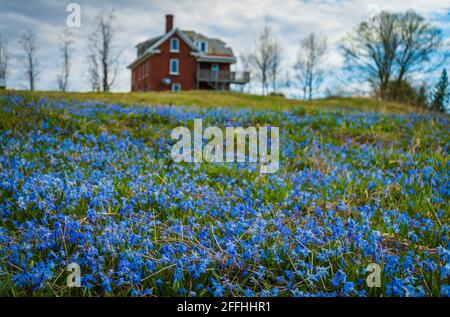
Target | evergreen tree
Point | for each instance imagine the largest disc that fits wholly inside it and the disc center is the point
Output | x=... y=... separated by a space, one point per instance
x=441 y=93
x=421 y=98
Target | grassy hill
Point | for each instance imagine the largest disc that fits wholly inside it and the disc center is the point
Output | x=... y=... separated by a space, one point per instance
x=95 y=184
x=226 y=99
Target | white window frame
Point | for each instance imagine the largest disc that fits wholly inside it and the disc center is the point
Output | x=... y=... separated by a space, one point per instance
x=206 y=46
x=198 y=44
x=176 y=85
x=177 y=72
x=172 y=40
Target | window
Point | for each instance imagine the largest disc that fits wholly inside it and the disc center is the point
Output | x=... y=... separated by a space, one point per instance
x=176 y=87
x=174 y=45
x=202 y=46
x=174 y=67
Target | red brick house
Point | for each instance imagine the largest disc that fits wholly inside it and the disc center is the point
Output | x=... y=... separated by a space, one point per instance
x=183 y=60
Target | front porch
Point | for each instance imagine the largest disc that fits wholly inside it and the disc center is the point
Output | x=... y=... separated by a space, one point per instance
x=221 y=80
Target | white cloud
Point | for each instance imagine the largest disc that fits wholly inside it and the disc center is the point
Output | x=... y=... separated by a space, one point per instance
x=236 y=22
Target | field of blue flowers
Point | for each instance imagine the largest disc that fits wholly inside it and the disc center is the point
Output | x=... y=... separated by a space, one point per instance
x=93 y=183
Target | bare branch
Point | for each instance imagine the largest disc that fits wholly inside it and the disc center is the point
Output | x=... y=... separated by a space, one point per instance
x=245 y=62
x=103 y=57
x=265 y=58
x=4 y=59
x=397 y=46
x=276 y=56
x=308 y=66
x=28 y=42
x=65 y=42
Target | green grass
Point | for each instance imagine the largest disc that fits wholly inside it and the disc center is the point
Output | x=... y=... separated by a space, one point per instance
x=211 y=99
x=369 y=149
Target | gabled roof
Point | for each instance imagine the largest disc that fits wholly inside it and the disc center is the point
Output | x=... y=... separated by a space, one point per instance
x=215 y=46
x=149 y=42
x=218 y=51
x=183 y=36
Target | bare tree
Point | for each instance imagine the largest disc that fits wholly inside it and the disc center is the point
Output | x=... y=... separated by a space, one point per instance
x=370 y=50
x=4 y=59
x=396 y=45
x=309 y=63
x=275 y=63
x=28 y=42
x=103 y=56
x=418 y=41
x=65 y=42
x=93 y=71
x=301 y=75
x=245 y=61
x=261 y=57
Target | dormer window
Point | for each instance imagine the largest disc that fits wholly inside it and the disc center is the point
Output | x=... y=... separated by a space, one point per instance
x=174 y=45
x=202 y=46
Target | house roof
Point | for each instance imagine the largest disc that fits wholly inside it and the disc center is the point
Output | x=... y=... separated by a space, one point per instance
x=216 y=47
x=149 y=42
x=218 y=51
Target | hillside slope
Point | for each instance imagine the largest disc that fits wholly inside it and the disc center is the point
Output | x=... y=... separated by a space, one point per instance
x=95 y=184
x=227 y=99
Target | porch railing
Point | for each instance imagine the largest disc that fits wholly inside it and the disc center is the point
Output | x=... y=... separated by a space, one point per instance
x=223 y=76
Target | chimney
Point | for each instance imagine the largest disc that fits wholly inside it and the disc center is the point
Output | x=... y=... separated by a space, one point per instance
x=169 y=23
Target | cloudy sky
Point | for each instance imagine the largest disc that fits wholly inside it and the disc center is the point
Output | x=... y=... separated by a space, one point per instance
x=234 y=21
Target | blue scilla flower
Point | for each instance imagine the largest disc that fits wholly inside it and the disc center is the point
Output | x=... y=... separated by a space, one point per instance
x=445 y=290
x=106 y=199
x=339 y=278
x=348 y=288
x=217 y=289
x=35 y=276
x=445 y=270
x=178 y=275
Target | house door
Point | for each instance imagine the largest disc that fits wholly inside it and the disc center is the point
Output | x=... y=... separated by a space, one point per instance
x=215 y=71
